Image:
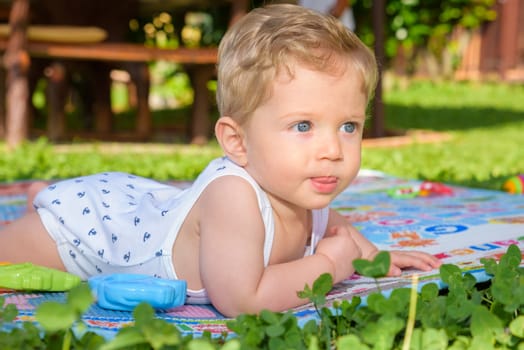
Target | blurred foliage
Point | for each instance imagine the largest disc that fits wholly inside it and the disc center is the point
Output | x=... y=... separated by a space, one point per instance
x=485 y=121
x=189 y=28
x=415 y=26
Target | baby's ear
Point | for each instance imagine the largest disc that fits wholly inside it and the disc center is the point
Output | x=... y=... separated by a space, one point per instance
x=230 y=136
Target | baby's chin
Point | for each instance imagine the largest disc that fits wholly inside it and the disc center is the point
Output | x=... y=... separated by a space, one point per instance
x=320 y=203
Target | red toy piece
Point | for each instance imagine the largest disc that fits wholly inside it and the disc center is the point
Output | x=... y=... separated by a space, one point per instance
x=428 y=188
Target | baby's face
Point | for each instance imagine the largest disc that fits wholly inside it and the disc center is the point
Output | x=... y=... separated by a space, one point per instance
x=303 y=144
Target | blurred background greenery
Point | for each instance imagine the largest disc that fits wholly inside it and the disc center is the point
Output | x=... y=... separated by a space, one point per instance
x=485 y=122
x=424 y=46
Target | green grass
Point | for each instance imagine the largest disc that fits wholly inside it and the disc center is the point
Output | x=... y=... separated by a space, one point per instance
x=486 y=122
x=453 y=106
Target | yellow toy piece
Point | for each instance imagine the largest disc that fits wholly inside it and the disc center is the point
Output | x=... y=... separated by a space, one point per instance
x=29 y=277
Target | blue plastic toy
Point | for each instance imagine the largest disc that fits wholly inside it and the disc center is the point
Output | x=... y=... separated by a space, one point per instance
x=124 y=292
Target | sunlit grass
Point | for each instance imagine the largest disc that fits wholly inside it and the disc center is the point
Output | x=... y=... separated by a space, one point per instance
x=486 y=122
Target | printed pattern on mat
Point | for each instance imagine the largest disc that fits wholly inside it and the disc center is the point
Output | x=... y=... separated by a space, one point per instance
x=460 y=229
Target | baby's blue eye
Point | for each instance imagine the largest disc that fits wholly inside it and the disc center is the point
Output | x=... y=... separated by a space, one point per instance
x=348 y=127
x=302 y=126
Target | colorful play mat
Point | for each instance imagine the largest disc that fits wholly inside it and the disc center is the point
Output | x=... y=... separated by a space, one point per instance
x=459 y=225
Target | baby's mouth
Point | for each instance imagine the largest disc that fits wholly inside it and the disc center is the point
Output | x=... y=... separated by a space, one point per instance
x=324 y=184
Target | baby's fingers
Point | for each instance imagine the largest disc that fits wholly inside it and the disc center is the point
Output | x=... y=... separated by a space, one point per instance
x=419 y=260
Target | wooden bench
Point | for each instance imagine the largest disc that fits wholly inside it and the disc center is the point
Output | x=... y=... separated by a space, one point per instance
x=199 y=63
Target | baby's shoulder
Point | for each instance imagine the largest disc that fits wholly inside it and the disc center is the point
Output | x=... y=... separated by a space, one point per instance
x=229 y=201
x=222 y=176
x=223 y=183
x=230 y=186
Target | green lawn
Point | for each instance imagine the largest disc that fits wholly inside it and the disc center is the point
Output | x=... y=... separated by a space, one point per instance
x=486 y=122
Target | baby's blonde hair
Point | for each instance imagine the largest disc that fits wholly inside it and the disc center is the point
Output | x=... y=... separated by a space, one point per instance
x=272 y=39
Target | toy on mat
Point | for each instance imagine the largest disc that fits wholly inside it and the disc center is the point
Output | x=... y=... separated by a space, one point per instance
x=125 y=291
x=31 y=277
x=425 y=189
x=514 y=185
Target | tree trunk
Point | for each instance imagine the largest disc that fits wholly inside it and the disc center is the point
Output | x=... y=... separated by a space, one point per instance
x=16 y=62
x=378 y=128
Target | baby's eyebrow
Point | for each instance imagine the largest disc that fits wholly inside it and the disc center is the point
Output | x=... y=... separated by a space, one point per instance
x=357 y=117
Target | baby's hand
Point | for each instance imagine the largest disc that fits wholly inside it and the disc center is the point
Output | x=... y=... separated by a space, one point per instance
x=419 y=260
x=341 y=249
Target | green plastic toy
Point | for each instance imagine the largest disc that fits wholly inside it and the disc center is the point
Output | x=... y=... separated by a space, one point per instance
x=29 y=277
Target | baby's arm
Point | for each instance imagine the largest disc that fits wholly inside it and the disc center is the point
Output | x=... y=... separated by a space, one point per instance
x=231 y=254
x=399 y=259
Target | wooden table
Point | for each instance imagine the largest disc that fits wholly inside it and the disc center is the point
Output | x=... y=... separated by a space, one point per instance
x=18 y=49
x=119 y=52
x=199 y=62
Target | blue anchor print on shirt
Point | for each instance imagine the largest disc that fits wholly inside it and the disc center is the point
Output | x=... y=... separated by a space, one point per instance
x=127 y=256
x=99 y=270
x=72 y=254
x=61 y=220
x=103 y=180
x=76 y=242
x=56 y=201
x=100 y=253
x=79 y=180
x=92 y=232
x=147 y=235
x=164 y=212
x=130 y=196
x=104 y=191
x=137 y=220
x=86 y=211
x=81 y=194
x=114 y=238
x=51 y=187
x=159 y=253
x=106 y=217
x=105 y=205
x=221 y=168
x=131 y=186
